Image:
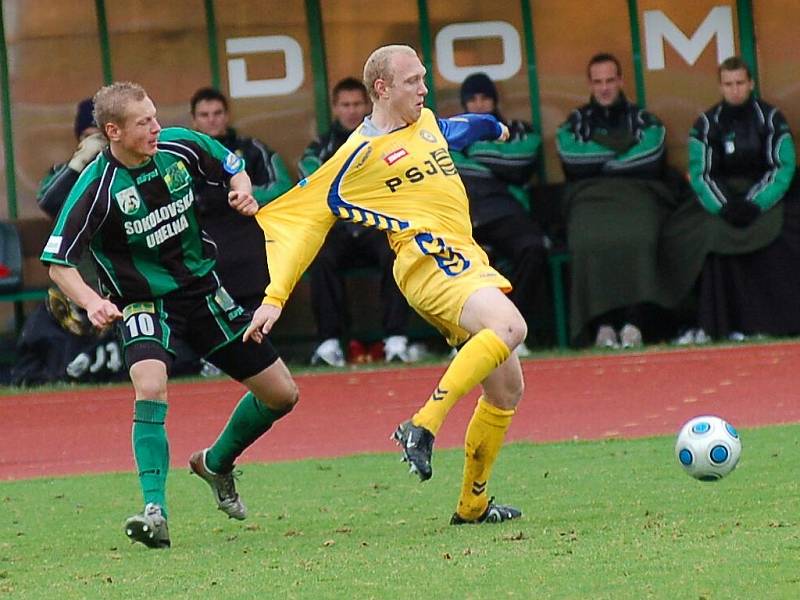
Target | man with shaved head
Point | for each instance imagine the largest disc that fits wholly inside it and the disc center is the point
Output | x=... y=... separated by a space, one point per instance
x=395 y=174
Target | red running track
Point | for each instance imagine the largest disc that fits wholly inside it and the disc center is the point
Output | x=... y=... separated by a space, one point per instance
x=620 y=395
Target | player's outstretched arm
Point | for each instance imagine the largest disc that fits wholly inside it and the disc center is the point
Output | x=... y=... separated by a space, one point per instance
x=462 y=130
x=263 y=320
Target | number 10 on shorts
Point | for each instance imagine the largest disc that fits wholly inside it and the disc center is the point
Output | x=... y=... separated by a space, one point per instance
x=138 y=319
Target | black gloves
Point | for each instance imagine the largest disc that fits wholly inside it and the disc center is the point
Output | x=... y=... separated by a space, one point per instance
x=740 y=213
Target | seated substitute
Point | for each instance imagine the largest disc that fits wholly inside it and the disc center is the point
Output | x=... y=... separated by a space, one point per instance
x=612 y=154
x=350 y=245
x=496 y=177
x=241 y=253
x=58 y=182
x=55 y=186
x=740 y=237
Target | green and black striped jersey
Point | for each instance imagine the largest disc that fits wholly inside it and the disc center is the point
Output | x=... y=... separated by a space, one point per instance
x=750 y=143
x=620 y=140
x=140 y=224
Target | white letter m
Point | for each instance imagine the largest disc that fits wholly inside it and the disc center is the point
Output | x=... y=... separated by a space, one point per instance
x=658 y=28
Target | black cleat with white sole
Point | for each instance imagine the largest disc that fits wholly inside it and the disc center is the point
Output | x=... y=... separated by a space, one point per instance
x=223 y=486
x=149 y=527
x=417 y=445
x=494 y=513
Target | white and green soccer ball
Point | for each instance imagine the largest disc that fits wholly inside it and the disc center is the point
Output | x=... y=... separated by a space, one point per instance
x=708 y=448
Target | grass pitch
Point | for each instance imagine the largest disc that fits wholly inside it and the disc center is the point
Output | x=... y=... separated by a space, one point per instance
x=611 y=519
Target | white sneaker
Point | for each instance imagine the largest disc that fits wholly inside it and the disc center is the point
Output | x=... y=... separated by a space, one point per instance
x=417 y=352
x=209 y=370
x=395 y=347
x=522 y=351
x=737 y=336
x=330 y=353
x=606 y=337
x=701 y=337
x=691 y=337
x=630 y=336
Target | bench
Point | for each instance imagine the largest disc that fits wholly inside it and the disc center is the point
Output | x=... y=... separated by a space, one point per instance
x=25 y=239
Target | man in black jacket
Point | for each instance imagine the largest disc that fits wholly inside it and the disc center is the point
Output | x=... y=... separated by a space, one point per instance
x=241 y=253
x=612 y=154
x=742 y=163
x=350 y=245
x=59 y=180
x=496 y=176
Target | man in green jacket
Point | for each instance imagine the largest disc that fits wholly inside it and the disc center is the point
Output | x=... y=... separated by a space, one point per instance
x=497 y=178
x=612 y=154
x=742 y=162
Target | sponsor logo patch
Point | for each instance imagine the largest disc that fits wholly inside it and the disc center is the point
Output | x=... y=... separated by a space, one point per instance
x=53 y=244
x=136 y=308
x=427 y=136
x=177 y=177
x=128 y=200
x=232 y=163
x=145 y=177
x=395 y=155
x=223 y=299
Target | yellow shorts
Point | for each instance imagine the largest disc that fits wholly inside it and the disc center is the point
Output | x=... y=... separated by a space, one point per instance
x=437 y=278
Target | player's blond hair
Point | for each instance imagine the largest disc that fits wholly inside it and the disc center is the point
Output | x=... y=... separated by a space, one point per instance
x=378 y=66
x=111 y=102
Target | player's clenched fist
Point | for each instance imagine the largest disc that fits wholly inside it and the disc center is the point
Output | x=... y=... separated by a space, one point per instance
x=102 y=312
x=243 y=202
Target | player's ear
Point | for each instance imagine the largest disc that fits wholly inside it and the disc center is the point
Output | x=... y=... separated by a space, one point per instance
x=381 y=87
x=113 y=132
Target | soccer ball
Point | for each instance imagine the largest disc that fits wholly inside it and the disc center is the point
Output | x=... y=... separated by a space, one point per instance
x=708 y=448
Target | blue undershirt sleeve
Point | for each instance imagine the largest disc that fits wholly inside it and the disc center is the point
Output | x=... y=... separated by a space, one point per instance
x=462 y=130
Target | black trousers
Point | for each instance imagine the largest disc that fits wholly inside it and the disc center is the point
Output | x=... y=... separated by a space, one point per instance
x=757 y=292
x=348 y=247
x=520 y=241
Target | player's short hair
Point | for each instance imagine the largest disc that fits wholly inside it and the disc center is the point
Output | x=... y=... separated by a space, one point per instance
x=205 y=94
x=603 y=57
x=111 y=102
x=348 y=84
x=378 y=66
x=734 y=63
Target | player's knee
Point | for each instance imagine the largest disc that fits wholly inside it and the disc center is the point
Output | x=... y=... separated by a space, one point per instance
x=283 y=397
x=514 y=331
x=151 y=389
x=515 y=392
x=508 y=396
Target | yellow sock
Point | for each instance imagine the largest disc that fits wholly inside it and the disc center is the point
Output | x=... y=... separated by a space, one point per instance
x=481 y=355
x=485 y=435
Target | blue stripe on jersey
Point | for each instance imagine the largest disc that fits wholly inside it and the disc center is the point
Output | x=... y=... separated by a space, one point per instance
x=356 y=214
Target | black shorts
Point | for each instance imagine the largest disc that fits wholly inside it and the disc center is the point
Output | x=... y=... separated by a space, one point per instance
x=211 y=324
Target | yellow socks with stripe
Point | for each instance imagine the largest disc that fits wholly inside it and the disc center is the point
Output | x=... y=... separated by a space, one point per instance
x=481 y=355
x=151 y=450
x=484 y=438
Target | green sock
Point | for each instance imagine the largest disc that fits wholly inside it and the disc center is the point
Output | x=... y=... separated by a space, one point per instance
x=249 y=421
x=151 y=449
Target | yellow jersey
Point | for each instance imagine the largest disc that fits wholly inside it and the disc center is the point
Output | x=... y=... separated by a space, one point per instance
x=403 y=182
